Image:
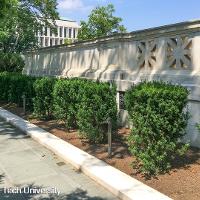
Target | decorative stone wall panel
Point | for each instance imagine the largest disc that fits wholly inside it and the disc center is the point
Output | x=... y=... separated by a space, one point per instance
x=179 y=52
x=146 y=54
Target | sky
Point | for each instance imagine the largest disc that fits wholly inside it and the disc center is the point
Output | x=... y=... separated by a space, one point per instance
x=136 y=14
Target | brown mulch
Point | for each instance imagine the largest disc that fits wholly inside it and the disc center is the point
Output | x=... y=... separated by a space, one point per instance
x=181 y=183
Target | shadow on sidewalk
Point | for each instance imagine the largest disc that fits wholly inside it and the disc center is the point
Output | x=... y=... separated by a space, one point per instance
x=77 y=194
x=10 y=131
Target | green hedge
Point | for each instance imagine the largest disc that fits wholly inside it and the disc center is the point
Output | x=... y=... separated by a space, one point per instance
x=4 y=86
x=67 y=99
x=14 y=85
x=43 y=100
x=98 y=103
x=85 y=105
x=157 y=114
x=80 y=103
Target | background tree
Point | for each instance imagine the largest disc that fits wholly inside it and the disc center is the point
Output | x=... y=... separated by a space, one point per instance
x=101 y=22
x=5 y=6
x=22 y=21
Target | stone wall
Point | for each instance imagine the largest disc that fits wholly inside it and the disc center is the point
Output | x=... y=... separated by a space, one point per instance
x=170 y=53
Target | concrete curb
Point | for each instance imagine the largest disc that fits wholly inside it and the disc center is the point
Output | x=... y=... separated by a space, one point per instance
x=117 y=182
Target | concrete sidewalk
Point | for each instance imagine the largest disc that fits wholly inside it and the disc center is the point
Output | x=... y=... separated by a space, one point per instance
x=26 y=164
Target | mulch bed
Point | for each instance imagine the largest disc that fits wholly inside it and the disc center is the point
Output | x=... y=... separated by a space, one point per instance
x=181 y=183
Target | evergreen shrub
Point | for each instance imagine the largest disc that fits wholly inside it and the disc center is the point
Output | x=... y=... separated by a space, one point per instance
x=159 y=119
x=67 y=99
x=98 y=103
x=14 y=85
x=43 y=100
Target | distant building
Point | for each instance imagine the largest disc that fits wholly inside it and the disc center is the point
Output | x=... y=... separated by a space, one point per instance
x=66 y=29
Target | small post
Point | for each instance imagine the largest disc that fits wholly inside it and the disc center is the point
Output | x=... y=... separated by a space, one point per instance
x=109 y=137
x=24 y=103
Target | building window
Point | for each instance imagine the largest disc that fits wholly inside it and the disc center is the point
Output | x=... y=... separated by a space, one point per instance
x=56 y=34
x=61 y=41
x=46 y=31
x=51 y=42
x=56 y=41
x=65 y=32
x=74 y=33
x=70 y=32
x=61 y=31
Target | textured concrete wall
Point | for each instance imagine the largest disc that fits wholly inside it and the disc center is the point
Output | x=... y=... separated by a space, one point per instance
x=169 y=53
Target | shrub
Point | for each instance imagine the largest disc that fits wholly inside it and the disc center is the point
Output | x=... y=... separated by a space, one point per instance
x=156 y=111
x=68 y=41
x=67 y=98
x=43 y=101
x=98 y=103
x=4 y=86
x=20 y=85
x=14 y=85
x=11 y=62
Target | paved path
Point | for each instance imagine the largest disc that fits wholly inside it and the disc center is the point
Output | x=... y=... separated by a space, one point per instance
x=26 y=165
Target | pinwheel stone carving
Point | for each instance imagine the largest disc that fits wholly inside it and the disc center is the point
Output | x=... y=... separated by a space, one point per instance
x=146 y=54
x=179 y=52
